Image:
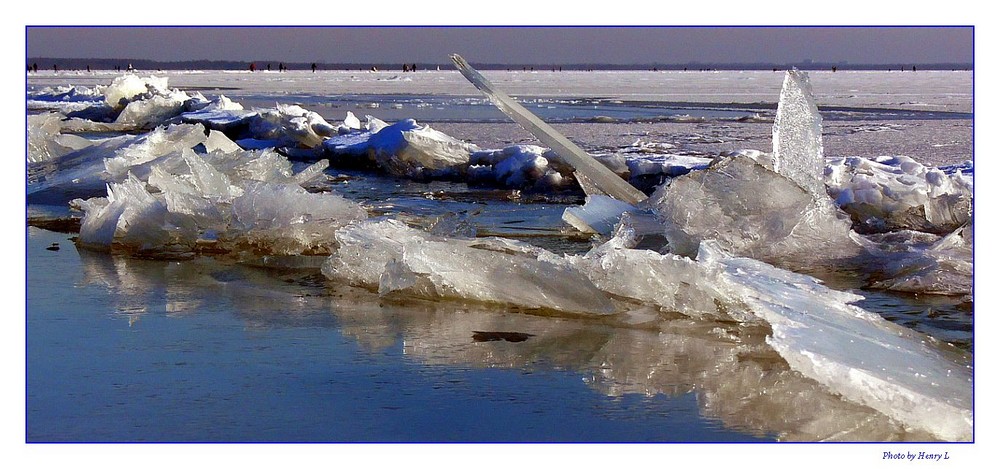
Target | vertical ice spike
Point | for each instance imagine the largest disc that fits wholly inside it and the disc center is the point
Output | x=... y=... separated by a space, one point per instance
x=600 y=176
x=797 y=136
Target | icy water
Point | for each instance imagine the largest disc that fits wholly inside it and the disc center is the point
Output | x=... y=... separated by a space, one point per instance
x=123 y=349
x=193 y=351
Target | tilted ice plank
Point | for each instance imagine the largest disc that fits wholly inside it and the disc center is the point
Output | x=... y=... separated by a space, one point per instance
x=599 y=214
x=598 y=174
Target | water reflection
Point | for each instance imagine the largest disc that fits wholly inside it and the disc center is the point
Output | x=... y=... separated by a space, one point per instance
x=735 y=377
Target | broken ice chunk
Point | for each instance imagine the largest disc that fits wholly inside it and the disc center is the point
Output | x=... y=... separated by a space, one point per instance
x=408 y=149
x=399 y=260
x=247 y=201
x=754 y=212
x=352 y=122
x=291 y=125
x=85 y=172
x=670 y=282
x=127 y=87
x=365 y=249
x=922 y=262
x=45 y=140
x=209 y=182
x=521 y=170
x=446 y=269
x=893 y=193
x=130 y=217
x=150 y=112
x=855 y=353
x=220 y=114
x=151 y=146
x=520 y=167
x=288 y=220
x=644 y=165
x=218 y=141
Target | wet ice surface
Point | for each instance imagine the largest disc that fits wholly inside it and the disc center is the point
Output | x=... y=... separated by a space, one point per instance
x=456 y=209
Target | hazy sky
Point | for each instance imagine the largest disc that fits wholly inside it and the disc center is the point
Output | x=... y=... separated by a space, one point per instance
x=520 y=44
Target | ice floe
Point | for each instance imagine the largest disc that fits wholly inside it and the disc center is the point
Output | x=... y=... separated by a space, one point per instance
x=398 y=259
x=855 y=353
x=790 y=207
x=207 y=178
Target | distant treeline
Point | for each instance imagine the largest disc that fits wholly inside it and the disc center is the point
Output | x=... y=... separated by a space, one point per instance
x=48 y=63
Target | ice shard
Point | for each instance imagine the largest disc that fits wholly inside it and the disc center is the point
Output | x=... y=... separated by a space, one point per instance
x=797 y=135
x=218 y=141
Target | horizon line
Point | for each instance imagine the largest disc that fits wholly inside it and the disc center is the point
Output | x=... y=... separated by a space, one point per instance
x=186 y=64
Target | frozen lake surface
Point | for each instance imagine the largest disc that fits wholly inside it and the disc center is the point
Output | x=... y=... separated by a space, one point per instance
x=236 y=349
